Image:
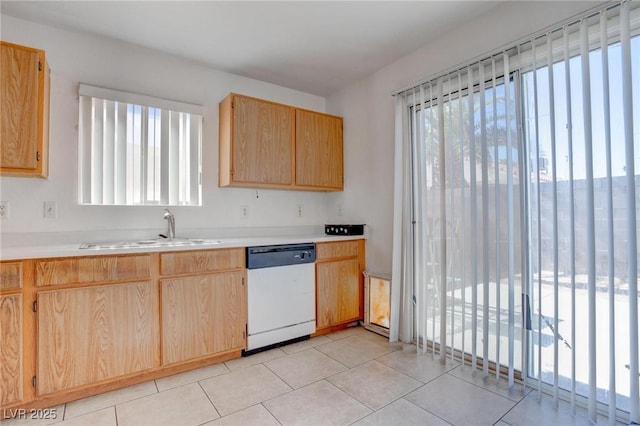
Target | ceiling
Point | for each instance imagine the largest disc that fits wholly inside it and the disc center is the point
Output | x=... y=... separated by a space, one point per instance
x=316 y=47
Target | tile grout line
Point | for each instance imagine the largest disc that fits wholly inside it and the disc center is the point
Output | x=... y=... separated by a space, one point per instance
x=110 y=405
x=326 y=354
x=508 y=411
x=414 y=377
x=210 y=401
x=424 y=409
x=279 y=378
x=484 y=388
x=269 y=411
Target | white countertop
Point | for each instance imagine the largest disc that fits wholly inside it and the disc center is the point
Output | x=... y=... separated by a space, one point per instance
x=64 y=245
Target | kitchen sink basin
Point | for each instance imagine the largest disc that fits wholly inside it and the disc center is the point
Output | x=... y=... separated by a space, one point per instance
x=152 y=242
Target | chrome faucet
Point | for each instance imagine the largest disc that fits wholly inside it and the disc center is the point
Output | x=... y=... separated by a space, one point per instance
x=171 y=223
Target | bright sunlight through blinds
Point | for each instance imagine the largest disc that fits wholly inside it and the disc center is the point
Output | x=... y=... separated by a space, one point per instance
x=516 y=209
x=138 y=150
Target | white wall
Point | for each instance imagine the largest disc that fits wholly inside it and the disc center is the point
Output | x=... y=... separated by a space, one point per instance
x=368 y=110
x=75 y=58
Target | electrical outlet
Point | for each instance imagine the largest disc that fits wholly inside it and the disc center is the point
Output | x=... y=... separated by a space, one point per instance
x=340 y=210
x=4 y=210
x=49 y=210
x=300 y=210
x=244 y=211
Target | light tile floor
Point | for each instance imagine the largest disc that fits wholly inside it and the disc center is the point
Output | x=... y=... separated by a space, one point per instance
x=351 y=377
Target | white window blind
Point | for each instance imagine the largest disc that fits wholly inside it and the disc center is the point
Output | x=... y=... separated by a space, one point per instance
x=138 y=150
x=581 y=101
x=516 y=209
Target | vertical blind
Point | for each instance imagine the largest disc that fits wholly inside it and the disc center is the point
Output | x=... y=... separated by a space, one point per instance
x=138 y=150
x=515 y=225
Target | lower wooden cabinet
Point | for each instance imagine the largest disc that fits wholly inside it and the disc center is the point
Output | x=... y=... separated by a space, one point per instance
x=202 y=315
x=91 y=334
x=339 y=283
x=338 y=292
x=11 y=350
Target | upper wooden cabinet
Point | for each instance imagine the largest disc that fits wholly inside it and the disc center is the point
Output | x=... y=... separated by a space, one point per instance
x=256 y=142
x=270 y=145
x=24 y=123
x=319 y=162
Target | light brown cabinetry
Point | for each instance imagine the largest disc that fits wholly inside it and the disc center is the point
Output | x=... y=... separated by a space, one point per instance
x=266 y=144
x=92 y=270
x=202 y=315
x=15 y=340
x=10 y=275
x=24 y=121
x=201 y=261
x=78 y=326
x=91 y=334
x=319 y=151
x=11 y=350
x=204 y=308
x=98 y=319
x=256 y=142
x=339 y=283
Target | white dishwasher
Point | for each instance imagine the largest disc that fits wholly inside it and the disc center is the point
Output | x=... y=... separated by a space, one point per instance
x=280 y=294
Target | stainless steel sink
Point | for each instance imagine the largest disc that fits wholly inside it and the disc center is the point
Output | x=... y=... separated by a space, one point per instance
x=153 y=242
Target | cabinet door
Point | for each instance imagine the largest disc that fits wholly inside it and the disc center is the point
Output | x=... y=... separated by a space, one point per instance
x=262 y=142
x=92 y=334
x=202 y=315
x=338 y=292
x=319 y=150
x=24 y=113
x=11 y=368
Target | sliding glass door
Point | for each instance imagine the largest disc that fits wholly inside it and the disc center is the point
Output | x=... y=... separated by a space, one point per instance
x=583 y=211
x=467 y=216
x=516 y=226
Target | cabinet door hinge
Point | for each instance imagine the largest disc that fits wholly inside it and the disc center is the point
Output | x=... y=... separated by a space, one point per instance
x=34 y=381
x=37 y=155
x=242 y=280
x=39 y=66
x=35 y=306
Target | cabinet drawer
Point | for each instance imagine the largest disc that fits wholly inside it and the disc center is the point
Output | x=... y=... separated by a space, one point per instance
x=191 y=262
x=336 y=250
x=88 y=270
x=11 y=276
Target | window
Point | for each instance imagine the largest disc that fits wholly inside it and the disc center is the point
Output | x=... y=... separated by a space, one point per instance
x=138 y=150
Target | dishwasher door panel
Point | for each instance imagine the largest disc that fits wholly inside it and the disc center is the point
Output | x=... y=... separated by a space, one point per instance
x=282 y=296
